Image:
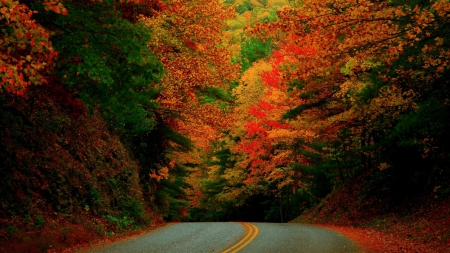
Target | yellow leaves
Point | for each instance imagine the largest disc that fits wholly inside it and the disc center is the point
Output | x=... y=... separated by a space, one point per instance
x=237 y=23
x=287 y=181
x=439 y=41
x=256 y=3
x=424 y=19
x=232 y=195
x=283 y=134
x=162 y=173
x=275 y=96
x=357 y=12
x=234 y=175
x=432 y=62
x=391 y=101
x=350 y=89
x=277 y=3
x=398 y=12
x=384 y=166
x=442 y=7
x=440 y=63
x=346 y=116
x=349 y=65
x=251 y=88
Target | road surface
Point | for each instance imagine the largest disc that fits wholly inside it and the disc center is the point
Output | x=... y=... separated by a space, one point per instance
x=231 y=237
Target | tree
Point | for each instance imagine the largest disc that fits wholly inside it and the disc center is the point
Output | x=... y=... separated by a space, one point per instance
x=358 y=68
x=26 y=49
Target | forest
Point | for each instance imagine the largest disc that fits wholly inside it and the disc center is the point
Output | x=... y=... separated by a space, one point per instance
x=120 y=115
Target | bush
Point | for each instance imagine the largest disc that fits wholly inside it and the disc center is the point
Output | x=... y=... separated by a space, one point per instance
x=39 y=222
x=133 y=208
x=121 y=223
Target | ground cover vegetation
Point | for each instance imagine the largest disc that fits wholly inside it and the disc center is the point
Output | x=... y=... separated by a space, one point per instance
x=119 y=115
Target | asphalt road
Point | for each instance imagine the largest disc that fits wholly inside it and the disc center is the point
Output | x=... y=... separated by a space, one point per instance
x=231 y=237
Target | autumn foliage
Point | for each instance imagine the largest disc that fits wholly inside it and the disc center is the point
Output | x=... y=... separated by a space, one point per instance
x=221 y=110
x=350 y=86
x=104 y=68
x=27 y=52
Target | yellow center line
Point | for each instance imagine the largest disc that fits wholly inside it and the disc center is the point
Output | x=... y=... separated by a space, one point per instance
x=253 y=231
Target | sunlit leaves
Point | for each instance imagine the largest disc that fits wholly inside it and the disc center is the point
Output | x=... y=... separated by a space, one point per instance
x=360 y=69
x=187 y=39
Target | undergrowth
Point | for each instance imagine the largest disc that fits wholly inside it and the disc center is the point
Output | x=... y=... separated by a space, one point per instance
x=417 y=224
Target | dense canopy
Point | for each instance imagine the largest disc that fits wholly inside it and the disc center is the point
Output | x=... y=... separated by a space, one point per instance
x=224 y=110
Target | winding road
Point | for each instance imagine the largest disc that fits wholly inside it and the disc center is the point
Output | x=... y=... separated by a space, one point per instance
x=231 y=237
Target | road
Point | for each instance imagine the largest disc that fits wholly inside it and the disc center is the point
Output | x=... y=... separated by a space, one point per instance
x=231 y=237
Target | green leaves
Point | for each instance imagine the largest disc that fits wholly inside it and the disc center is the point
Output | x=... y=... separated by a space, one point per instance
x=252 y=50
x=106 y=61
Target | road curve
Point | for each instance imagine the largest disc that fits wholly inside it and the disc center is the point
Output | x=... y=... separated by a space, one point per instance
x=231 y=237
x=183 y=237
x=299 y=238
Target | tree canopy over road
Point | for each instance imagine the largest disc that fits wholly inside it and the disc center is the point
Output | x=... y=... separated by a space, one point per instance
x=119 y=114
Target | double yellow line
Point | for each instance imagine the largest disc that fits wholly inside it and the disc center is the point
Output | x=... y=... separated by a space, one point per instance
x=252 y=232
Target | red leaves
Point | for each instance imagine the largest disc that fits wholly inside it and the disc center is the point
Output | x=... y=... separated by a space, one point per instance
x=272 y=78
x=274 y=124
x=55 y=6
x=26 y=52
x=62 y=97
x=254 y=148
x=264 y=105
x=277 y=58
x=190 y=44
x=257 y=162
x=294 y=49
x=257 y=112
x=255 y=128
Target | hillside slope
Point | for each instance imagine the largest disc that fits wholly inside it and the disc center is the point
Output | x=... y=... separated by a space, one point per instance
x=66 y=179
x=383 y=223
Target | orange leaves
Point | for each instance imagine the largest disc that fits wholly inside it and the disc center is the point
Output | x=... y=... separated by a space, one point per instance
x=55 y=6
x=442 y=8
x=23 y=61
x=264 y=140
x=340 y=55
x=187 y=39
x=342 y=27
x=162 y=173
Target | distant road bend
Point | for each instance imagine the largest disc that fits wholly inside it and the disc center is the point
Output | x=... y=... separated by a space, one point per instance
x=231 y=237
